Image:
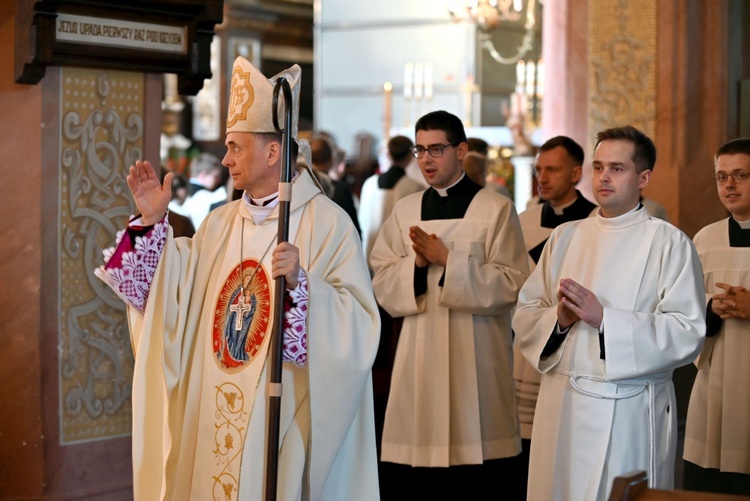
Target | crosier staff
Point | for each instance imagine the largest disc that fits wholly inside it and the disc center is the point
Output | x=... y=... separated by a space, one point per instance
x=277 y=339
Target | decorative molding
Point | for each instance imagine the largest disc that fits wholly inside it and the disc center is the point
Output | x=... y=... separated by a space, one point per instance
x=101 y=134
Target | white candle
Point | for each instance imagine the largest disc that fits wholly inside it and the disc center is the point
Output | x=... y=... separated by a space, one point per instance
x=520 y=75
x=530 y=78
x=428 y=81
x=387 y=98
x=418 y=79
x=408 y=76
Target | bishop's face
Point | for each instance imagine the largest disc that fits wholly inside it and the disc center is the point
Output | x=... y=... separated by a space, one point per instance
x=445 y=170
x=616 y=182
x=735 y=196
x=251 y=159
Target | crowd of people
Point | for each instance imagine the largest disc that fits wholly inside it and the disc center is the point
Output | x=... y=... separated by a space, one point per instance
x=535 y=351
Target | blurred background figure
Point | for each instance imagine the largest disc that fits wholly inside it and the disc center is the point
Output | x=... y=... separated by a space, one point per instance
x=181 y=225
x=180 y=191
x=205 y=178
x=380 y=192
x=338 y=191
x=475 y=166
x=477 y=163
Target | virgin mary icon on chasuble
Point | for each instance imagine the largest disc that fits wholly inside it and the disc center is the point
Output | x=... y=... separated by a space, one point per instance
x=241 y=318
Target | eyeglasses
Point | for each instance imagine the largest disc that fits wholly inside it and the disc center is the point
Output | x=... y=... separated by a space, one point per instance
x=435 y=150
x=739 y=176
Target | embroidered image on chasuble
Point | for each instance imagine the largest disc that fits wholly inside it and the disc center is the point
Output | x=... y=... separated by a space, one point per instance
x=242 y=315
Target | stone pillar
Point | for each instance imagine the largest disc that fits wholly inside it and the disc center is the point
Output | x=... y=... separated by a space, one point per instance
x=663 y=67
x=692 y=118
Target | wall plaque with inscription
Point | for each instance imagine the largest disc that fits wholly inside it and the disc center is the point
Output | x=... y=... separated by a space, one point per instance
x=161 y=36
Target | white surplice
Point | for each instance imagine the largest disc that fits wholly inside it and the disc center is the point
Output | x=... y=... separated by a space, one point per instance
x=718 y=422
x=598 y=419
x=199 y=427
x=527 y=378
x=452 y=400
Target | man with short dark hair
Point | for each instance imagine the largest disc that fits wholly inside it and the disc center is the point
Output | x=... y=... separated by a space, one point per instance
x=614 y=305
x=558 y=167
x=338 y=191
x=717 y=436
x=381 y=192
x=451 y=260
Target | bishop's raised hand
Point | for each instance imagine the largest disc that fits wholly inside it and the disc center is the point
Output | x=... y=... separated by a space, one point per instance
x=150 y=195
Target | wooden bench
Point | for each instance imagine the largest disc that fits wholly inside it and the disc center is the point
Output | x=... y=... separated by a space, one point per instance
x=633 y=486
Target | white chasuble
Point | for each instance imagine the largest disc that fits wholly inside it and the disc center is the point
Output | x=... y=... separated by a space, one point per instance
x=199 y=389
x=597 y=419
x=452 y=400
x=718 y=423
x=234 y=376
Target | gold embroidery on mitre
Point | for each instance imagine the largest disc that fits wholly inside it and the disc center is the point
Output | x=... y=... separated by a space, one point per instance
x=241 y=96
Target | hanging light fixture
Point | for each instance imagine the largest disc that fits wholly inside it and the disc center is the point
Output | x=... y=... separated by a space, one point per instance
x=488 y=14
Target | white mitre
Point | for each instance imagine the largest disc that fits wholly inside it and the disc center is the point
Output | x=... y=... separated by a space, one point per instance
x=251 y=99
x=251 y=102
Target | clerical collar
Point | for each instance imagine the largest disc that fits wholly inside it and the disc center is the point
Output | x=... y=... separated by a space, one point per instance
x=272 y=199
x=561 y=209
x=745 y=225
x=443 y=192
x=261 y=208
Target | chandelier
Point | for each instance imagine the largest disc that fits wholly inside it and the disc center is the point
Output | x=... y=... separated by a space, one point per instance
x=488 y=14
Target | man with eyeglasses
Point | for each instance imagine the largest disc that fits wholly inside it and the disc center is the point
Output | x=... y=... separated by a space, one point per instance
x=717 y=437
x=451 y=261
x=614 y=305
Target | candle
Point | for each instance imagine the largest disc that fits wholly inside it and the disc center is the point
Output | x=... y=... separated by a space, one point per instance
x=540 y=79
x=387 y=91
x=520 y=75
x=418 y=76
x=408 y=75
x=428 y=81
x=468 y=97
x=530 y=78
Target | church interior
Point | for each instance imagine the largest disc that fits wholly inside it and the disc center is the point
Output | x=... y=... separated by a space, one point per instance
x=78 y=114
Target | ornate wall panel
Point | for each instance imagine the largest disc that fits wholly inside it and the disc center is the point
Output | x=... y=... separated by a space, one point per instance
x=622 y=71
x=101 y=134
